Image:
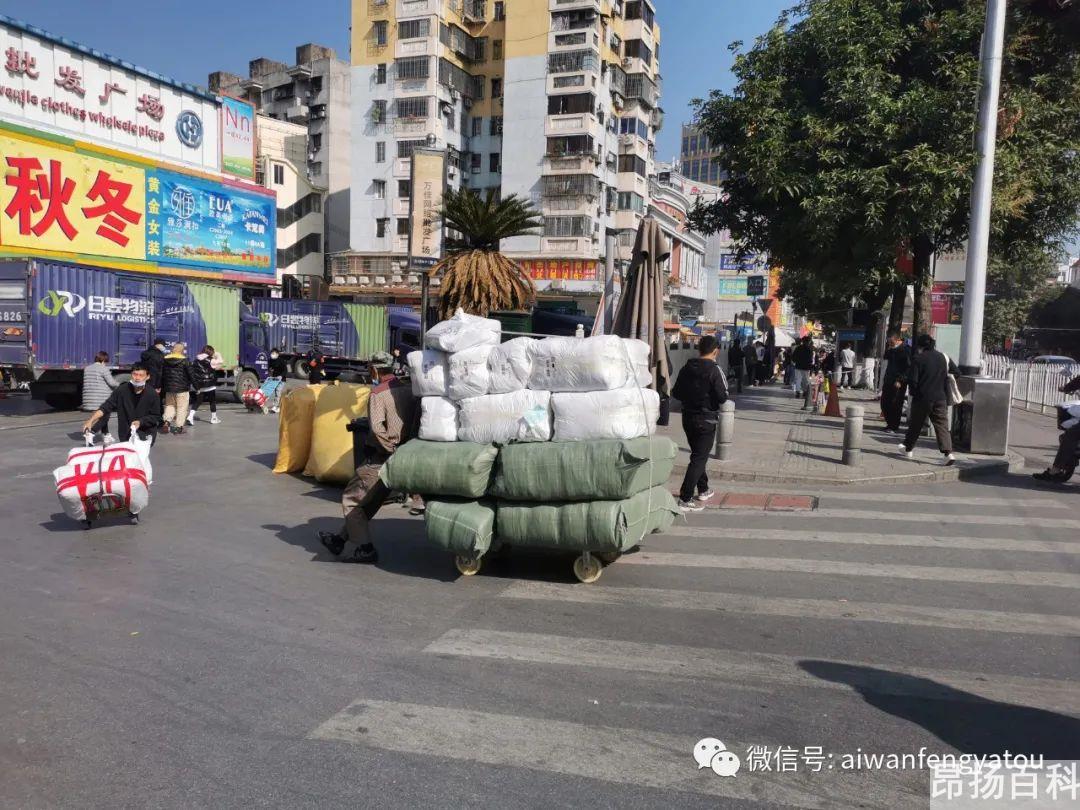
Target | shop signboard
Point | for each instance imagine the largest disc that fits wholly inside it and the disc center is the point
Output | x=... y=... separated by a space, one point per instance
x=237 y=138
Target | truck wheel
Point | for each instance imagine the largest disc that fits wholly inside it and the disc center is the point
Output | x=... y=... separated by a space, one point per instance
x=301 y=369
x=245 y=381
x=62 y=402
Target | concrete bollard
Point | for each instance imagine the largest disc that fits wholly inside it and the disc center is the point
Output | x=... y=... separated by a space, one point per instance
x=853 y=428
x=725 y=431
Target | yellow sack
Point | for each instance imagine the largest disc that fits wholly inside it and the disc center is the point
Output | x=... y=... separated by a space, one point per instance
x=331 y=458
x=294 y=428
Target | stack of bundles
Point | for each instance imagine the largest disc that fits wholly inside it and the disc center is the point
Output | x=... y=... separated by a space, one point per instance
x=571 y=423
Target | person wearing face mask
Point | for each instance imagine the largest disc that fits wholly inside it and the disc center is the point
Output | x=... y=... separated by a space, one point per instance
x=137 y=407
x=279 y=370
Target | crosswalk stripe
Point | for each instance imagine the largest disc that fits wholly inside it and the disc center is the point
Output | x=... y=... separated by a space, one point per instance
x=628 y=756
x=928 y=499
x=908 y=615
x=938 y=573
x=915 y=517
x=740 y=667
x=851 y=536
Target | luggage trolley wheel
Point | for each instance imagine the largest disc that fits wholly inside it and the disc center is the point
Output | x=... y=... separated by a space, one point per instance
x=588 y=568
x=468 y=566
x=87 y=524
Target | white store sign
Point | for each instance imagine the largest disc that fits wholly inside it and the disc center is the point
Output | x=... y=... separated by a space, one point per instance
x=47 y=85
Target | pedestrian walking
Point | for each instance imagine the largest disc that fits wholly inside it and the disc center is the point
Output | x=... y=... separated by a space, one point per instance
x=736 y=358
x=153 y=359
x=279 y=370
x=136 y=405
x=847 y=366
x=98 y=385
x=316 y=371
x=393 y=410
x=927 y=379
x=894 y=382
x=205 y=383
x=702 y=389
x=761 y=363
x=177 y=380
x=802 y=358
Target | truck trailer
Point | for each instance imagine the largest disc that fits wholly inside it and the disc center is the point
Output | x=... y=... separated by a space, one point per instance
x=55 y=316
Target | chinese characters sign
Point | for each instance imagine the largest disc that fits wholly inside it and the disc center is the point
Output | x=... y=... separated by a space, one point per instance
x=44 y=84
x=425 y=236
x=56 y=200
x=559 y=269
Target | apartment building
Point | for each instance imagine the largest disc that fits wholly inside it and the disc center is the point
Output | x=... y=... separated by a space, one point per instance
x=553 y=100
x=697 y=157
x=315 y=93
x=688 y=284
x=280 y=161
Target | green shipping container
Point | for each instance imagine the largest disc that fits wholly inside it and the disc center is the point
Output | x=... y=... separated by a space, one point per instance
x=372 y=324
x=220 y=308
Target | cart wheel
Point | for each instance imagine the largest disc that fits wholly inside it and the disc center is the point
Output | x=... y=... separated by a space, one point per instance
x=87 y=525
x=467 y=566
x=134 y=520
x=588 y=568
x=608 y=557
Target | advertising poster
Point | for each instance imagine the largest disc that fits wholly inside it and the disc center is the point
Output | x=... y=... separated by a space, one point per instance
x=425 y=234
x=237 y=138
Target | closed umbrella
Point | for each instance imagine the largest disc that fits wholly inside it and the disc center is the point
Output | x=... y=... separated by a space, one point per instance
x=641 y=308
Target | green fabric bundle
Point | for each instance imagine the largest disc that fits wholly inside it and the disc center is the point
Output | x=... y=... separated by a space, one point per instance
x=448 y=469
x=463 y=528
x=601 y=470
x=596 y=526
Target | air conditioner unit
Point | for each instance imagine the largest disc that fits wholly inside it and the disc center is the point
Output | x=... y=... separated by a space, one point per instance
x=454 y=95
x=627 y=61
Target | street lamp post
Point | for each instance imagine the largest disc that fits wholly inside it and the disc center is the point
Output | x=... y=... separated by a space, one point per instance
x=993 y=46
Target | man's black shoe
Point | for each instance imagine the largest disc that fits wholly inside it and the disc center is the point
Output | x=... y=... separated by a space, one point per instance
x=334 y=543
x=365 y=555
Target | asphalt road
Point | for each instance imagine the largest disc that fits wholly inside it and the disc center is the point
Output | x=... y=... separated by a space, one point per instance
x=214 y=657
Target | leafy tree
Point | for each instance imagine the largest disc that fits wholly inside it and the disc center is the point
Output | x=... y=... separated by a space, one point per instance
x=475 y=276
x=851 y=131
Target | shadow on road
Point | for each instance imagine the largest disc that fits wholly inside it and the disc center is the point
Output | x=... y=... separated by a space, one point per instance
x=264 y=459
x=968 y=722
x=60 y=522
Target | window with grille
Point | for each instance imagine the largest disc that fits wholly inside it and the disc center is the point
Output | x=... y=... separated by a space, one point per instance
x=577 y=80
x=562 y=40
x=412 y=107
x=380 y=32
x=573 y=61
x=477 y=126
x=404 y=189
x=638 y=10
x=475 y=162
x=496 y=49
x=570 y=185
x=380 y=151
x=496 y=125
x=635 y=48
x=412 y=67
x=414 y=29
x=403 y=227
x=380 y=228
x=629 y=201
x=378 y=110
x=569 y=145
x=495 y=162
x=378 y=188
x=380 y=73
x=496 y=88
x=279 y=174
x=573 y=103
x=500 y=10
x=405 y=148
x=632 y=163
x=567 y=226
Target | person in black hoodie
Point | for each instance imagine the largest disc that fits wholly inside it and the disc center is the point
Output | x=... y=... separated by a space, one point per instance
x=702 y=389
x=153 y=359
x=927 y=378
x=136 y=405
x=177 y=380
x=894 y=385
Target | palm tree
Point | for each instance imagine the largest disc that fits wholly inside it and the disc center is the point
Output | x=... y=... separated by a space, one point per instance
x=475 y=276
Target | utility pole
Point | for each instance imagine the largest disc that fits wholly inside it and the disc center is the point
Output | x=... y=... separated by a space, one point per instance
x=993 y=45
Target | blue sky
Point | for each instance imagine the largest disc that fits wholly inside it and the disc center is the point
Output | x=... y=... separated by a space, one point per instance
x=187 y=39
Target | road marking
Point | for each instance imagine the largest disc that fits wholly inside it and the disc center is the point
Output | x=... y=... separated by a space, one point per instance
x=850 y=537
x=627 y=756
x=918 y=517
x=715 y=601
x=739 y=667
x=940 y=573
x=931 y=500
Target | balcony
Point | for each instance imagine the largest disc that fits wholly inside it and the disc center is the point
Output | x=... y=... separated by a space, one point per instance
x=556 y=164
x=572 y=124
x=417 y=8
x=297 y=113
x=402 y=167
x=473 y=11
x=642 y=89
x=414 y=47
x=568 y=5
x=570 y=185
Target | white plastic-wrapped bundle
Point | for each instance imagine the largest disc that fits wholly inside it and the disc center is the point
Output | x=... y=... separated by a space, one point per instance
x=105 y=479
x=469 y=375
x=624 y=413
x=520 y=416
x=639 y=356
x=463 y=331
x=438 y=419
x=601 y=363
x=509 y=365
x=429 y=370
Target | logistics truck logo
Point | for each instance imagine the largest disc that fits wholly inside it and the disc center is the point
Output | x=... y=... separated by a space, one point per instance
x=57 y=301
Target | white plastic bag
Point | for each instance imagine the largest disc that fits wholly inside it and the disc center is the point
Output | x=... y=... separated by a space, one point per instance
x=463 y=331
x=624 y=413
x=639 y=356
x=102 y=479
x=521 y=416
x=510 y=364
x=469 y=375
x=142 y=449
x=600 y=363
x=438 y=419
x=429 y=371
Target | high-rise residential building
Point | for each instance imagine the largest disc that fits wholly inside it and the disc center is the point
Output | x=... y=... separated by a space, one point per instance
x=553 y=100
x=314 y=92
x=697 y=157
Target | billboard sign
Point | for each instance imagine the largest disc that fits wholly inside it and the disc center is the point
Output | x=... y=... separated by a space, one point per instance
x=560 y=269
x=58 y=86
x=425 y=230
x=237 y=138
x=71 y=201
x=731 y=261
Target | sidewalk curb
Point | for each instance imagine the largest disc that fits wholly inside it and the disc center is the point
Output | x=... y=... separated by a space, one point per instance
x=1012 y=462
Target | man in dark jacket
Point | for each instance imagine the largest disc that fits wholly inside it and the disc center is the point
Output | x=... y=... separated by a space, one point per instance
x=894 y=383
x=702 y=389
x=136 y=405
x=1065 y=461
x=177 y=380
x=927 y=378
x=803 y=360
x=153 y=359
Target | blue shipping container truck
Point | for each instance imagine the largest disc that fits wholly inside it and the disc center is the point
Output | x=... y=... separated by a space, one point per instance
x=54 y=317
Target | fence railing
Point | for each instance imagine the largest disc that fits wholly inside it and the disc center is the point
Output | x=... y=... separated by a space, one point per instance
x=1034 y=385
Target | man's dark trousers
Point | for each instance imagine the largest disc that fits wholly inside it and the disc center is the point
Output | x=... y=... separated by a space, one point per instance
x=1066 y=454
x=939 y=418
x=892 y=403
x=700 y=434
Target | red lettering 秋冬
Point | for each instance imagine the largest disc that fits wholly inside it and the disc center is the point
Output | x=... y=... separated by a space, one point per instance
x=113 y=195
x=31 y=186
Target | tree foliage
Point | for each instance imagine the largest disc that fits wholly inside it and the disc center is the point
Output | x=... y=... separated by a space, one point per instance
x=476 y=277
x=850 y=135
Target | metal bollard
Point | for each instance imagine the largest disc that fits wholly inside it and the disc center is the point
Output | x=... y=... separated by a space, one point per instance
x=725 y=431
x=853 y=428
